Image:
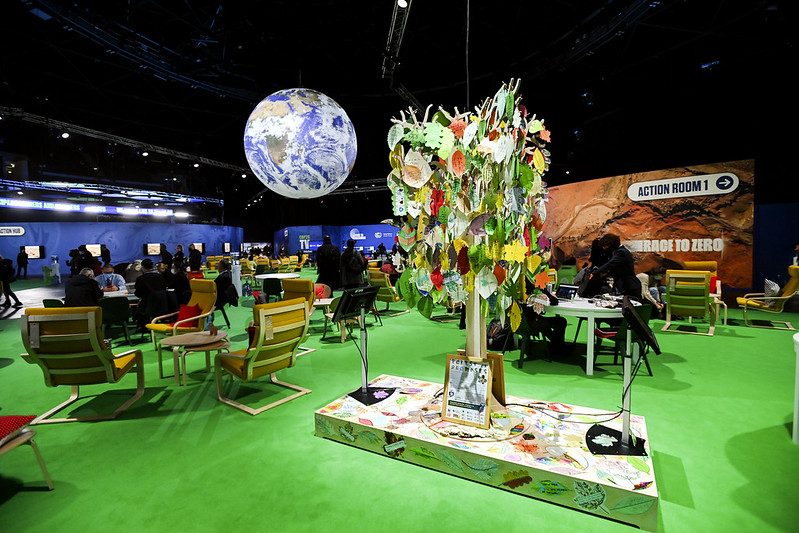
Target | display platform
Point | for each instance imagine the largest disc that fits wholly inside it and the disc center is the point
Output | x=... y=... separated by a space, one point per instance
x=535 y=449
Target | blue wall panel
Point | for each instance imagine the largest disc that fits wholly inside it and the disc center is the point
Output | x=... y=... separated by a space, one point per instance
x=125 y=240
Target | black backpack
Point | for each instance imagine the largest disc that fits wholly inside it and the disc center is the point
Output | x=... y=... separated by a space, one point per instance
x=497 y=335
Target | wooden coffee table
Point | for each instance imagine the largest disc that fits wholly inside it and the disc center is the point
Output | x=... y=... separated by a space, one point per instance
x=186 y=343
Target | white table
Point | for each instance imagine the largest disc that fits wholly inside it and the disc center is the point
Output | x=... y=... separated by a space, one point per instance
x=277 y=275
x=796 y=392
x=122 y=294
x=584 y=308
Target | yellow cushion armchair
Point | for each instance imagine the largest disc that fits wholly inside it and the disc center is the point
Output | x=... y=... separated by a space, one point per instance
x=67 y=345
x=771 y=304
x=280 y=327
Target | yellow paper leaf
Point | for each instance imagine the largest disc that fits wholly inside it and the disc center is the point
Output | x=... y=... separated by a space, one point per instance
x=538 y=161
x=515 y=251
x=444 y=259
x=532 y=262
x=458 y=244
x=515 y=316
x=468 y=281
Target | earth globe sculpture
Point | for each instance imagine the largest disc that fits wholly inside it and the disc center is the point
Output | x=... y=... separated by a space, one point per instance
x=300 y=143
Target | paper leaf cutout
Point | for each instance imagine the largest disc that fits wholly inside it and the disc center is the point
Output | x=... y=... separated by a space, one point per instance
x=515 y=316
x=457 y=163
x=517 y=478
x=416 y=171
x=486 y=282
x=547 y=486
x=634 y=505
x=395 y=134
x=541 y=279
x=447 y=144
x=450 y=460
x=515 y=252
x=425 y=306
x=483 y=469
x=638 y=464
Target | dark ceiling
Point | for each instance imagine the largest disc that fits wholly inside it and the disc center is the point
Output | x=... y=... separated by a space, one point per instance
x=624 y=86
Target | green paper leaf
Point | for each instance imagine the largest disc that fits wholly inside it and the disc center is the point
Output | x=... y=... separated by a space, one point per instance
x=447 y=143
x=425 y=306
x=395 y=134
x=639 y=464
x=526 y=177
x=634 y=505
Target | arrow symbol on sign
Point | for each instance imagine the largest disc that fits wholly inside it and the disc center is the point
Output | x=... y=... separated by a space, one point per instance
x=724 y=182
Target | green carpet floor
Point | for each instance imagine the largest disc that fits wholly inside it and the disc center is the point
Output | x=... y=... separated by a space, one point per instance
x=718 y=411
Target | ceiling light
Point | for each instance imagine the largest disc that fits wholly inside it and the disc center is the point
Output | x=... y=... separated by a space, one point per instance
x=402 y=3
x=145 y=154
x=244 y=175
x=181 y=214
x=196 y=165
x=20 y=193
x=65 y=135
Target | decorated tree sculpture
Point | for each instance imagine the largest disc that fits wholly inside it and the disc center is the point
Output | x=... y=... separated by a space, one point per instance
x=470 y=189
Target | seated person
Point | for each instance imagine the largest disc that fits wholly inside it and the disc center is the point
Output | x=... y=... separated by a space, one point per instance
x=552 y=328
x=82 y=290
x=108 y=280
x=151 y=289
x=650 y=290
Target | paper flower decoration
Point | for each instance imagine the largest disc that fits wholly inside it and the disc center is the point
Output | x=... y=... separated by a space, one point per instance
x=471 y=186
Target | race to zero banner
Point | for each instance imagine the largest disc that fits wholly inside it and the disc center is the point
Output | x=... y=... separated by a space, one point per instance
x=665 y=217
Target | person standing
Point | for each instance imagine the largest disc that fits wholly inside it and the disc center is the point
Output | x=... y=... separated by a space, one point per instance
x=178 y=259
x=327 y=263
x=195 y=258
x=166 y=257
x=105 y=254
x=22 y=263
x=621 y=266
x=6 y=277
x=352 y=266
x=150 y=286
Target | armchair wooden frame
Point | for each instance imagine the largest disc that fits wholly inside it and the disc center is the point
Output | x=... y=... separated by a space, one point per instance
x=66 y=344
x=280 y=328
x=203 y=292
x=26 y=437
x=688 y=294
x=385 y=293
x=758 y=301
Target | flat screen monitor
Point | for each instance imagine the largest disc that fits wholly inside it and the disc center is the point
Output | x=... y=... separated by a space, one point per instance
x=566 y=292
x=200 y=246
x=638 y=325
x=226 y=247
x=314 y=245
x=351 y=302
x=152 y=248
x=94 y=249
x=34 y=252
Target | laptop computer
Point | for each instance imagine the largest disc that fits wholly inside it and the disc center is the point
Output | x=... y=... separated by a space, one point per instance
x=566 y=292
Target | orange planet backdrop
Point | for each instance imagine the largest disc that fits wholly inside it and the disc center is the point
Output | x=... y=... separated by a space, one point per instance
x=660 y=230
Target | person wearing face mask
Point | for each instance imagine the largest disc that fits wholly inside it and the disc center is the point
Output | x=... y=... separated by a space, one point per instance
x=651 y=290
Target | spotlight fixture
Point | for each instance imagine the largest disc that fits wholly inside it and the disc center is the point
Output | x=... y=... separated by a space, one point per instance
x=145 y=154
x=196 y=165
x=402 y=3
x=65 y=135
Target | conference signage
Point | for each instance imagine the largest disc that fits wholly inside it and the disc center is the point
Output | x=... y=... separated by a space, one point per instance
x=683 y=187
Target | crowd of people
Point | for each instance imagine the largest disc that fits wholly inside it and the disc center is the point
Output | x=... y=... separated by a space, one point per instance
x=345 y=270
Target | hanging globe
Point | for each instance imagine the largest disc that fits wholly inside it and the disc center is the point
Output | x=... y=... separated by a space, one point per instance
x=300 y=143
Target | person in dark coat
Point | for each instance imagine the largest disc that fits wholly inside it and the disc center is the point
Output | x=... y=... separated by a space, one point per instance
x=327 y=263
x=22 y=263
x=166 y=257
x=150 y=287
x=195 y=258
x=179 y=259
x=352 y=266
x=180 y=283
x=82 y=290
x=6 y=275
x=621 y=266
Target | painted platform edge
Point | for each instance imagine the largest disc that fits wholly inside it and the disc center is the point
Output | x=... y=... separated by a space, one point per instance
x=566 y=488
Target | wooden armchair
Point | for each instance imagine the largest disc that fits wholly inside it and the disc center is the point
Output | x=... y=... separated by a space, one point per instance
x=688 y=295
x=280 y=327
x=386 y=292
x=771 y=304
x=67 y=345
x=203 y=300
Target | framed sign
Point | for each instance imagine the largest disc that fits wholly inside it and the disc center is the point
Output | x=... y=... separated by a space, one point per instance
x=467 y=391
x=497 y=374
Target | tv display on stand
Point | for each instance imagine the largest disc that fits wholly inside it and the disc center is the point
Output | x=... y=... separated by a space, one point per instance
x=95 y=249
x=200 y=246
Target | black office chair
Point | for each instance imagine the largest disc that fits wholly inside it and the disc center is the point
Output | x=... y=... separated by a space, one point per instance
x=116 y=312
x=272 y=287
x=619 y=338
